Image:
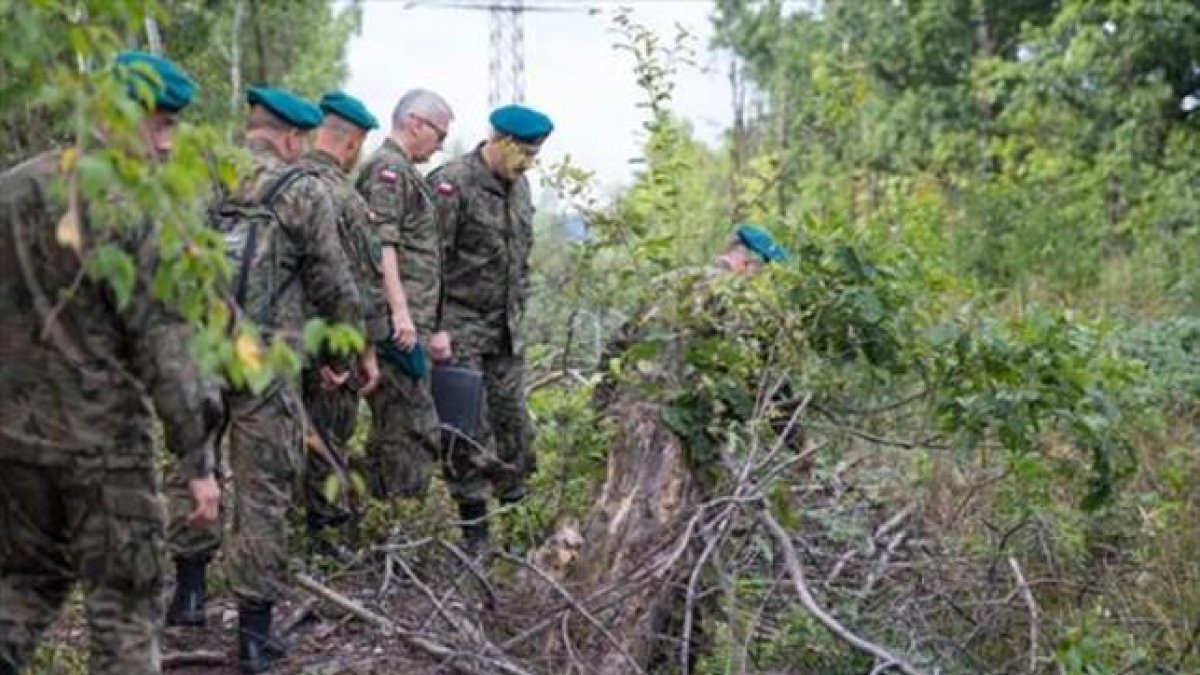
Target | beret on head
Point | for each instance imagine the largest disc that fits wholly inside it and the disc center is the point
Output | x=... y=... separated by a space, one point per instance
x=761 y=243
x=287 y=106
x=524 y=124
x=350 y=109
x=172 y=90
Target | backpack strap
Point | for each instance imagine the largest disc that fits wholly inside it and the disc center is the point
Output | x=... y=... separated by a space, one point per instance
x=272 y=192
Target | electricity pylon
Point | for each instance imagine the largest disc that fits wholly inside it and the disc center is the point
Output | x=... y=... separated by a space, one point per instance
x=506 y=40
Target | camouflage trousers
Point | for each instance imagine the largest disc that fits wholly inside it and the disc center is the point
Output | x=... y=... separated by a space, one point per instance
x=501 y=451
x=266 y=461
x=335 y=414
x=101 y=528
x=404 y=441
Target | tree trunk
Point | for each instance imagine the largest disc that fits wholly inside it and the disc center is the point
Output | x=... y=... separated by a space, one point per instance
x=632 y=543
x=235 y=57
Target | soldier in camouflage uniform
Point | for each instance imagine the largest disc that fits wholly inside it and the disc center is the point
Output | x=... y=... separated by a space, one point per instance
x=334 y=411
x=404 y=434
x=487 y=219
x=298 y=263
x=687 y=307
x=78 y=491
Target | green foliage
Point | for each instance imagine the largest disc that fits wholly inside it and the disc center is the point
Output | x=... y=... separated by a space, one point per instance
x=229 y=46
x=1032 y=375
x=59 y=87
x=1170 y=351
x=1053 y=136
x=571 y=448
x=54 y=659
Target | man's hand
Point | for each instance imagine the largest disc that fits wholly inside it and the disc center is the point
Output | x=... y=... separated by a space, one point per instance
x=440 y=349
x=404 y=333
x=368 y=371
x=332 y=379
x=206 y=501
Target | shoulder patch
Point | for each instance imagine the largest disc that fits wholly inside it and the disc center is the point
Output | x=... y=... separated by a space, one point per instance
x=446 y=189
x=388 y=176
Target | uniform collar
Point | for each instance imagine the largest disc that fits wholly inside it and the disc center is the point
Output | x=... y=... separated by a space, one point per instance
x=324 y=159
x=391 y=145
x=488 y=180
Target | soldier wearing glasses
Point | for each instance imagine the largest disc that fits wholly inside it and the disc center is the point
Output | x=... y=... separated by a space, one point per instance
x=487 y=229
x=404 y=437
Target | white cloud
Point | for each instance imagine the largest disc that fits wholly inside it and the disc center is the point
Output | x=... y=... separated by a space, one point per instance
x=572 y=73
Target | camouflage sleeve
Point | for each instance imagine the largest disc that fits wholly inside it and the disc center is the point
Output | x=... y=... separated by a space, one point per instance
x=382 y=190
x=187 y=400
x=370 y=283
x=526 y=283
x=328 y=285
x=449 y=206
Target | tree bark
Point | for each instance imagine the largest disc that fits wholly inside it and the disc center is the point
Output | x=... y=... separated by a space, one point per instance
x=632 y=540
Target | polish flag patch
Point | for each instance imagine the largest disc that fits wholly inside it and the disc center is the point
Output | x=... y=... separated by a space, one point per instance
x=446 y=189
x=388 y=176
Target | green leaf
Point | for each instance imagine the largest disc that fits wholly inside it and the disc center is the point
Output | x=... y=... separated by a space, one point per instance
x=110 y=264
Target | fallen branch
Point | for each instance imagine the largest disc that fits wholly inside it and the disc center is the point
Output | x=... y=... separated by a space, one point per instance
x=792 y=560
x=1027 y=596
x=197 y=658
x=420 y=642
x=685 y=641
x=342 y=602
x=576 y=605
x=293 y=621
x=489 y=602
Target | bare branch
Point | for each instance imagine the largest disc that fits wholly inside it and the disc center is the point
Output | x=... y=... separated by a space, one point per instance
x=792 y=559
x=576 y=605
x=1027 y=596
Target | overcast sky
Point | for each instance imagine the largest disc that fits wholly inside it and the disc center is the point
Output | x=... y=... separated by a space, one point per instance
x=572 y=73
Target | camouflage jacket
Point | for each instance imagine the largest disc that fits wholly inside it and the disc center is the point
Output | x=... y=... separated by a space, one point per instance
x=358 y=242
x=302 y=266
x=403 y=211
x=487 y=228
x=77 y=371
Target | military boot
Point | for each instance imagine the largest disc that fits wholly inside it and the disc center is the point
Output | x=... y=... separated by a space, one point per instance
x=475 y=527
x=187 y=605
x=258 y=648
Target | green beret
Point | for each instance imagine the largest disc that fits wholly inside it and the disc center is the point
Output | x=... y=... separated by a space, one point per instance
x=760 y=242
x=350 y=109
x=171 y=88
x=524 y=124
x=287 y=106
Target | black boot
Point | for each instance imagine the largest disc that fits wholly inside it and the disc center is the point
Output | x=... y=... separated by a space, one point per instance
x=187 y=606
x=258 y=649
x=475 y=530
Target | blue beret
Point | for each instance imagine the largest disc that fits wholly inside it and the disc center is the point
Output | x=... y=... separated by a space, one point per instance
x=171 y=88
x=287 y=106
x=350 y=109
x=760 y=242
x=524 y=124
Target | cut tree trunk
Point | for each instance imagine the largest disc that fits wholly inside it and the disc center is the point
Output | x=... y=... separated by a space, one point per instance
x=632 y=545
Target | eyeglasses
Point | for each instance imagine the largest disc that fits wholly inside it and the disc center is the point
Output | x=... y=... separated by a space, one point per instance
x=528 y=150
x=441 y=133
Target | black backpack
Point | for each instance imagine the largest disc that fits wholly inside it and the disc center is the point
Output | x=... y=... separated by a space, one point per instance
x=253 y=232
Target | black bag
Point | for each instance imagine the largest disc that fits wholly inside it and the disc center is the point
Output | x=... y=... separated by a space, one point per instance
x=458 y=396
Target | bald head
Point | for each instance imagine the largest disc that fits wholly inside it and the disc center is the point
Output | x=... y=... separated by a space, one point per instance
x=420 y=122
